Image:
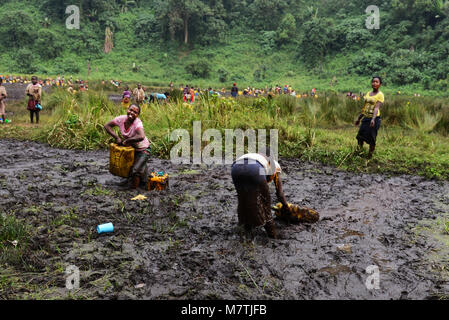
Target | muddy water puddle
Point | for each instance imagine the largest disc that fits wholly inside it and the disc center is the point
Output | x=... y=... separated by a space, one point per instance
x=184 y=243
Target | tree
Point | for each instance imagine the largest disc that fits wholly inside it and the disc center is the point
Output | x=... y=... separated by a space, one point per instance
x=19 y=34
x=316 y=39
x=48 y=44
x=25 y=60
x=126 y=4
x=211 y=25
x=200 y=69
x=422 y=12
x=96 y=10
x=222 y=75
x=287 y=28
x=147 y=27
x=180 y=13
x=274 y=9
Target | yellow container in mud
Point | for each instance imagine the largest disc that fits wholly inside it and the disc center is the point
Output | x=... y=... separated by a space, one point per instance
x=121 y=159
x=296 y=214
x=157 y=181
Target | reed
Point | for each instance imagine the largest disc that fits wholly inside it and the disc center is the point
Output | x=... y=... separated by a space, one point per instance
x=413 y=137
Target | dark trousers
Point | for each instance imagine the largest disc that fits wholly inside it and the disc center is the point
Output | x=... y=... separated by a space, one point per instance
x=32 y=112
x=254 y=202
x=368 y=134
x=140 y=163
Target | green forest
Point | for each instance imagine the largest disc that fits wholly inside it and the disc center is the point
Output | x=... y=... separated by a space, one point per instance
x=322 y=43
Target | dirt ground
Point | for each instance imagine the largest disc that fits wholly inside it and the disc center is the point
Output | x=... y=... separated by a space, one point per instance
x=184 y=243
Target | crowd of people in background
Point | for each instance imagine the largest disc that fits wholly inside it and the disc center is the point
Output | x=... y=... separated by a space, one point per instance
x=59 y=81
x=353 y=96
x=190 y=93
x=140 y=95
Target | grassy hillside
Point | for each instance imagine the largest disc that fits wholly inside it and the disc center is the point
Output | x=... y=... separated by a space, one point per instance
x=266 y=44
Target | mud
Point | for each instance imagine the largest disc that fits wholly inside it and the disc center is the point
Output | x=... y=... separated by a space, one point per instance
x=16 y=91
x=183 y=243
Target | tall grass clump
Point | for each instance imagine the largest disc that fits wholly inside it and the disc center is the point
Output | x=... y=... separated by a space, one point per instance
x=11 y=229
x=287 y=104
x=78 y=119
x=299 y=124
x=420 y=114
x=349 y=109
x=419 y=119
x=14 y=238
x=442 y=127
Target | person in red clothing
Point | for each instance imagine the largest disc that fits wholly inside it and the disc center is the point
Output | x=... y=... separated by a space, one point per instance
x=34 y=93
x=192 y=94
x=234 y=90
x=3 y=96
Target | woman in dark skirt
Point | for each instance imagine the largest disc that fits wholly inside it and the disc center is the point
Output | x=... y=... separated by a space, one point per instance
x=370 y=116
x=251 y=174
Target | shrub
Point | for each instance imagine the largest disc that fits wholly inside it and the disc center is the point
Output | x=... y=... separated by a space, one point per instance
x=47 y=44
x=222 y=75
x=200 y=69
x=12 y=229
x=260 y=73
x=368 y=63
x=25 y=60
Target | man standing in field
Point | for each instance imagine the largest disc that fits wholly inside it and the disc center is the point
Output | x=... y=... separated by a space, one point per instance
x=34 y=92
x=2 y=100
x=139 y=94
x=234 y=90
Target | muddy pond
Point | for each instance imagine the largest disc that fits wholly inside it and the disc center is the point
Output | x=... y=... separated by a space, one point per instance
x=183 y=243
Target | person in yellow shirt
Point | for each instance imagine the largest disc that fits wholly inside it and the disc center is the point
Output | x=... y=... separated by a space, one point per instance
x=370 y=117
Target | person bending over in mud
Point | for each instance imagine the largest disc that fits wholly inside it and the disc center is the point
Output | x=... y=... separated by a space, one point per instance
x=370 y=116
x=132 y=131
x=251 y=174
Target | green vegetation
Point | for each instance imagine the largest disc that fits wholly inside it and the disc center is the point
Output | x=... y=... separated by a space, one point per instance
x=213 y=43
x=413 y=137
x=14 y=238
x=12 y=230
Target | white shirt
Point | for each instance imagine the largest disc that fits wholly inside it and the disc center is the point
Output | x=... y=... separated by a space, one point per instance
x=262 y=160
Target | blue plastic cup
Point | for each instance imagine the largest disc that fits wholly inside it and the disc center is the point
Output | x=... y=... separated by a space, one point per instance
x=103 y=228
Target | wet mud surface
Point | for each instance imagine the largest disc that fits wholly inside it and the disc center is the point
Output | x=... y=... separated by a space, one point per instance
x=184 y=243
